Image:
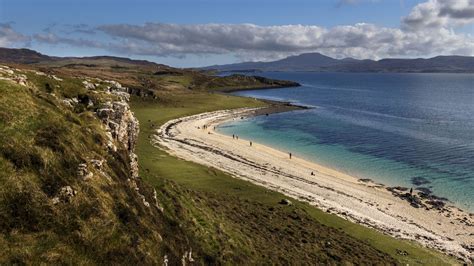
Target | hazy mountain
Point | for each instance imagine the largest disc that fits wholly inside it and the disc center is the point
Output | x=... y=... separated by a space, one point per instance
x=321 y=63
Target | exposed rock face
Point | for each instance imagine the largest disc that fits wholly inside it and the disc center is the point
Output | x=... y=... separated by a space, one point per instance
x=122 y=129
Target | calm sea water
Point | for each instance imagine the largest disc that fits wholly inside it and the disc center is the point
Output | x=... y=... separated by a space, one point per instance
x=412 y=130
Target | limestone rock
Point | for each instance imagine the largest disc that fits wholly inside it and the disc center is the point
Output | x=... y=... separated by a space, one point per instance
x=97 y=164
x=155 y=198
x=83 y=172
x=65 y=195
x=88 y=85
x=56 y=78
x=187 y=257
x=7 y=73
x=285 y=202
x=70 y=102
x=122 y=130
x=120 y=122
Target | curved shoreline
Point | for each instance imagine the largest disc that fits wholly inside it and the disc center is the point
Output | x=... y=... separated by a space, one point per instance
x=448 y=229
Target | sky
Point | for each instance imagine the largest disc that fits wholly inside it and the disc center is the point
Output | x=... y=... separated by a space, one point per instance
x=190 y=33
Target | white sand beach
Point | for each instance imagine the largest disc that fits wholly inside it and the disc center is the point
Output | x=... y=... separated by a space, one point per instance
x=447 y=229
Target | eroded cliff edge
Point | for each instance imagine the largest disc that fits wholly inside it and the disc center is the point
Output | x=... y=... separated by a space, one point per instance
x=70 y=185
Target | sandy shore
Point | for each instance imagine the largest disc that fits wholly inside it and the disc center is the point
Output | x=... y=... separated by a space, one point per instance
x=446 y=228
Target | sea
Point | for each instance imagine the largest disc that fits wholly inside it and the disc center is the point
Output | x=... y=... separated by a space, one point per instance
x=410 y=130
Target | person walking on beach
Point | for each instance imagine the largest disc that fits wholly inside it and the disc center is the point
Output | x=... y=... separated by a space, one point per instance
x=233 y=136
x=250 y=144
x=237 y=137
x=289 y=154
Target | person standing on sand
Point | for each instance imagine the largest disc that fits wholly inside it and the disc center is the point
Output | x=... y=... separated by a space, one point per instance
x=233 y=136
x=290 y=154
x=237 y=137
x=250 y=144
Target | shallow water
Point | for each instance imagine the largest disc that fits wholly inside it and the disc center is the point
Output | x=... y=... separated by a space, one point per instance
x=413 y=130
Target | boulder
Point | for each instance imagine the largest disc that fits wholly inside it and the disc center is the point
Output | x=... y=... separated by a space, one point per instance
x=83 y=172
x=64 y=195
x=285 y=202
x=88 y=85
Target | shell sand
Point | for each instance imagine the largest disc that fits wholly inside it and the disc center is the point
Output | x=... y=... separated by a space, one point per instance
x=193 y=138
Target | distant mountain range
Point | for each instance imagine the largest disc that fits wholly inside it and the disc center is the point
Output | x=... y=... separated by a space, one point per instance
x=305 y=62
x=320 y=63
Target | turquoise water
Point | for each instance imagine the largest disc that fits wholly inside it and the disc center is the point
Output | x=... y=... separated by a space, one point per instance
x=412 y=130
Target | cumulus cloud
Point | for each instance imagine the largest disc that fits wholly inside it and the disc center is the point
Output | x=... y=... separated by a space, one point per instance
x=9 y=37
x=250 y=41
x=440 y=14
x=426 y=31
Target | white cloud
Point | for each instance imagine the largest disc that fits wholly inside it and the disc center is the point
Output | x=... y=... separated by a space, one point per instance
x=9 y=37
x=440 y=14
x=427 y=30
x=250 y=41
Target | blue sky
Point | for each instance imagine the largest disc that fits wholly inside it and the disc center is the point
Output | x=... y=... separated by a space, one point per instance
x=120 y=28
x=263 y=12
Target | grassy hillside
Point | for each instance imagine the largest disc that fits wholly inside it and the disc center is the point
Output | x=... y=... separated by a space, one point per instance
x=48 y=212
x=53 y=212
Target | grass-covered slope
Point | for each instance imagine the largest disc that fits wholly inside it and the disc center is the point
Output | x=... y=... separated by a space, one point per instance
x=70 y=196
x=49 y=212
x=51 y=138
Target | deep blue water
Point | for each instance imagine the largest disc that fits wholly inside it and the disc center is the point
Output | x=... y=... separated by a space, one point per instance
x=396 y=129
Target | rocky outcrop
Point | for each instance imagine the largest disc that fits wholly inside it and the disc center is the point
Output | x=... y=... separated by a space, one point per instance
x=65 y=195
x=122 y=129
x=83 y=172
x=11 y=74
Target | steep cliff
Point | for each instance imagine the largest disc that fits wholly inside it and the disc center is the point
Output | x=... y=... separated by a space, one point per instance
x=70 y=189
x=69 y=185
